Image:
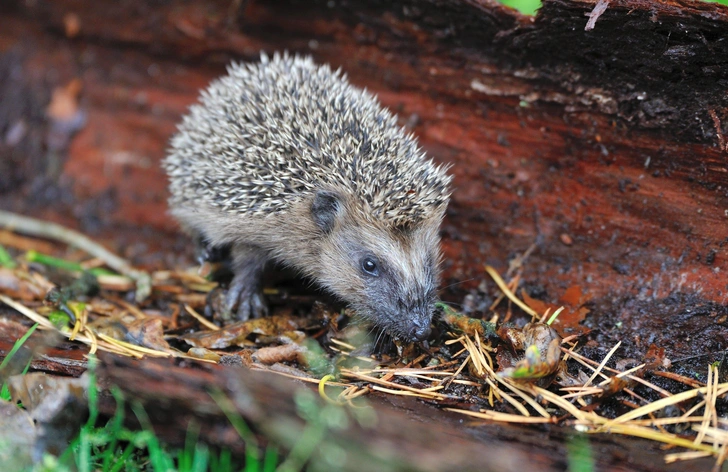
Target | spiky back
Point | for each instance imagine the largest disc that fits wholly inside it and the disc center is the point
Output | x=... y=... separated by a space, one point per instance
x=270 y=133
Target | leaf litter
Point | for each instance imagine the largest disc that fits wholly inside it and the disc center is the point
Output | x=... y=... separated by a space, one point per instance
x=493 y=371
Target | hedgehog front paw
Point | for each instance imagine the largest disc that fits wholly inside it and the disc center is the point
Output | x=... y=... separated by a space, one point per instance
x=207 y=252
x=252 y=306
x=247 y=297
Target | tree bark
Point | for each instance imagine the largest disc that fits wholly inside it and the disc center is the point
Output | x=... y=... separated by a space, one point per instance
x=604 y=146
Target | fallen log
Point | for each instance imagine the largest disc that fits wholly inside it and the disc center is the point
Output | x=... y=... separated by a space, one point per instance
x=594 y=133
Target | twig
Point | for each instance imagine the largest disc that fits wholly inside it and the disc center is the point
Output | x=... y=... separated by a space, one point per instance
x=718 y=130
x=662 y=403
x=602 y=364
x=518 y=261
x=502 y=285
x=598 y=10
x=203 y=321
x=586 y=363
x=504 y=417
x=45 y=323
x=73 y=238
x=678 y=378
x=649 y=433
x=22 y=243
x=391 y=385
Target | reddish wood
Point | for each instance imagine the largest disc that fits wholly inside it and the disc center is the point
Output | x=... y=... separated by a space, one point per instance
x=50 y=354
x=605 y=148
x=643 y=198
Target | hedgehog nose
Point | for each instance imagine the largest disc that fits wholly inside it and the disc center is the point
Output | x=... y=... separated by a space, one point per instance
x=419 y=331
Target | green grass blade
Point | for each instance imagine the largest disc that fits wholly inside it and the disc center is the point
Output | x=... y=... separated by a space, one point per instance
x=6 y=259
x=5 y=390
x=270 y=461
x=17 y=346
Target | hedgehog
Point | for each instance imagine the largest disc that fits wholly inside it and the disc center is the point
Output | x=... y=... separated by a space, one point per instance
x=284 y=160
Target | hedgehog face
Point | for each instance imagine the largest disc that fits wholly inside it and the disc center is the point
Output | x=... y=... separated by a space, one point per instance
x=388 y=276
x=399 y=287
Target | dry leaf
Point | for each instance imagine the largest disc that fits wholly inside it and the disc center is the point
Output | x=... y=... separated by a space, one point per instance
x=283 y=353
x=18 y=437
x=56 y=405
x=24 y=289
x=655 y=358
x=236 y=334
x=540 y=344
x=202 y=353
x=64 y=102
x=148 y=333
x=467 y=325
x=569 y=320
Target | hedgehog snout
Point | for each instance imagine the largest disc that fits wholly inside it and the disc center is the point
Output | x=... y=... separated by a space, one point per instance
x=414 y=322
x=419 y=330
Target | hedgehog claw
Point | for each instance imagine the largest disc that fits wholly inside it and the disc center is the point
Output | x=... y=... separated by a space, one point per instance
x=253 y=306
x=245 y=289
x=250 y=301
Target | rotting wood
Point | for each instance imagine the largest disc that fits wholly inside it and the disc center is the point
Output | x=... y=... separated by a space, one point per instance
x=603 y=147
x=544 y=139
x=65 y=358
x=174 y=395
x=570 y=163
x=267 y=404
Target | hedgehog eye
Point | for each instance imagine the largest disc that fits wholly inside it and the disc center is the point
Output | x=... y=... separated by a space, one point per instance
x=369 y=266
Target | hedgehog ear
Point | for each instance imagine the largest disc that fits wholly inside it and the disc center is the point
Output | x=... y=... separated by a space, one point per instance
x=325 y=209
